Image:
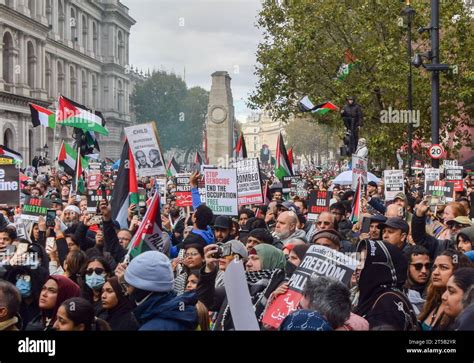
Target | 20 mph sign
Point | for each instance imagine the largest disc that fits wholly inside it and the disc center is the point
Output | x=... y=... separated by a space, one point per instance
x=436 y=151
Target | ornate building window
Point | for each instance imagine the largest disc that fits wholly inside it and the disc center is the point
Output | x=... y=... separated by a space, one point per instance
x=120 y=96
x=73 y=83
x=60 y=78
x=84 y=32
x=61 y=18
x=85 y=100
x=95 y=88
x=120 y=47
x=8 y=58
x=95 y=39
x=48 y=73
x=31 y=73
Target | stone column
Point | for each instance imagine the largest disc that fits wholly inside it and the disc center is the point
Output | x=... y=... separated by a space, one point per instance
x=1 y=62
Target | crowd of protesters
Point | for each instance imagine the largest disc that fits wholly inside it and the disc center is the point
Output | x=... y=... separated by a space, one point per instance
x=416 y=270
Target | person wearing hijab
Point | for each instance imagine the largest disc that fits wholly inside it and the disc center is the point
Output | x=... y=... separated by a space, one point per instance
x=381 y=299
x=264 y=273
x=55 y=291
x=119 y=309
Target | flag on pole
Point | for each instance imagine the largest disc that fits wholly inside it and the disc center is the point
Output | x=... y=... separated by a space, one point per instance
x=290 y=158
x=198 y=159
x=9 y=153
x=125 y=191
x=42 y=116
x=306 y=105
x=78 y=181
x=70 y=113
x=150 y=236
x=283 y=166
x=67 y=159
x=240 y=148
x=356 y=203
x=349 y=63
x=173 y=167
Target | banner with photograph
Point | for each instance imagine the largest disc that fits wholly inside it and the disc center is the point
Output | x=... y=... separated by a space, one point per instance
x=143 y=141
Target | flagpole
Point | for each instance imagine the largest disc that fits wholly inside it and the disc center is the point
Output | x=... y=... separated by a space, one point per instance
x=77 y=167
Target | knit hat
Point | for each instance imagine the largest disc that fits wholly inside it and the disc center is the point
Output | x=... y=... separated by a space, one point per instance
x=238 y=248
x=150 y=271
x=262 y=235
x=305 y=320
x=330 y=234
x=72 y=208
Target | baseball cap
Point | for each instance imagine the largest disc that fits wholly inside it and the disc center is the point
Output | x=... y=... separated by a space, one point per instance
x=397 y=223
x=372 y=184
x=378 y=218
x=238 y=248
x=460 y=220
x=290 y=206
x=401 y=196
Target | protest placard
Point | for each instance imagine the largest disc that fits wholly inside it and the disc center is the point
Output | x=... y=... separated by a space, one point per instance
x=298 y=187
x=431 y=174
x=93 y=181
x=94 y=196
x=318 y=202
x=238 y=297
x=183 y=191
x=359 y=168
x=142 y=197
x=34 y=208
x=318 y=261
x=394 y=183
x=249 y=187
x=9 y=185
x=161 y=187
x=454 y=174
x=143 y=141
x=94 y=168
x=221 y=191
x=441 y=191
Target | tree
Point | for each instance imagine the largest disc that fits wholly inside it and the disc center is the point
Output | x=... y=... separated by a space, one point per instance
x=304 y=44
x=179 y=112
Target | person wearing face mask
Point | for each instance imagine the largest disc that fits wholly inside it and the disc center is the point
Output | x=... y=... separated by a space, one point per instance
x=94 y=275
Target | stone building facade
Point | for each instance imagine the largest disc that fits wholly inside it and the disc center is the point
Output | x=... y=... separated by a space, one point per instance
x=77 y=48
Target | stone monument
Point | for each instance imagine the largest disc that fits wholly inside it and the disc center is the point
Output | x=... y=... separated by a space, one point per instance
x=220 y=119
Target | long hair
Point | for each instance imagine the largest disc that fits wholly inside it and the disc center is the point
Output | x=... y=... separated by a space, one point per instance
x=81 y=311
x=433 y=297
x=75 y=261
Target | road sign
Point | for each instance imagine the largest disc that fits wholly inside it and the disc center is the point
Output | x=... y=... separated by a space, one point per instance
x=436 y=151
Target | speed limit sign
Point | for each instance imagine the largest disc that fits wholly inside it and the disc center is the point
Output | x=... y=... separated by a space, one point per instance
x=436 y=151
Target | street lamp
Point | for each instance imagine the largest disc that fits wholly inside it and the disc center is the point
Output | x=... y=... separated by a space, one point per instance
x=409 y=12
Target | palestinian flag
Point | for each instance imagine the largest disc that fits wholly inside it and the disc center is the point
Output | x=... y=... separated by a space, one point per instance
x=42 y=116
x=78 y=181
x=150 y=236
x=9 y=153
x=356 y=203
x=91 y=140
x=173 y=167
x=290 y=158
x=240 y=148
x=67 y=159
x=283 y=166
x=73 y=114
x=306 y=105
x=125 y=192
x=198 y=159
x=349 y=63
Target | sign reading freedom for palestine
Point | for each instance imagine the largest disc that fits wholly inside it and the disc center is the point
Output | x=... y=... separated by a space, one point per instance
x=221 y=191
x=35 y=208
x=318 y=261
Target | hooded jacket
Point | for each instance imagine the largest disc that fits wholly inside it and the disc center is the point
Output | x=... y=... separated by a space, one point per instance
x=381 y=300
x=299 y=233
x=166 y=311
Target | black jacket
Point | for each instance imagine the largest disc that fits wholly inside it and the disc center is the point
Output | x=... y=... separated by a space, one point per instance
x=353 y=111
x=381 y=300
x=434 y=246
x=111 y=242
x=121 y=319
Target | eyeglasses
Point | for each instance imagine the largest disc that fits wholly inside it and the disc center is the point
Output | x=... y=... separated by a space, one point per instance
x=419 y=266
x=191 y=254
x=97 y=270
x=323 y=223
x=123 y=239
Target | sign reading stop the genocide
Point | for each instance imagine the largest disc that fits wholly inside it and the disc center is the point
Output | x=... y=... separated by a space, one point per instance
x=436 y=151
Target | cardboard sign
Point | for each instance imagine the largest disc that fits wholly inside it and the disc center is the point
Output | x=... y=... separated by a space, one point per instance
x=431 y=174
x=9 y=185
x=319 y=261
x=454 y=174
x=393 y=183
x=183 y=191
x=298 y=187
x=238 y=296
x=45 y=169
x=441 y=192
x=143 y=141
x=95 y=168
x=318 y=202
x=359 y=168
x=161 y=187
x=249 y=186
x=95 y=196
x=35 y=208
x=221 y=191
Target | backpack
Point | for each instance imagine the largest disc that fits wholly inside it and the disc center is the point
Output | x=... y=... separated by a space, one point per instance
x=411 y=321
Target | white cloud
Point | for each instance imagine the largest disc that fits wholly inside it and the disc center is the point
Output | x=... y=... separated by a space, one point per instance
x=202 y=36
